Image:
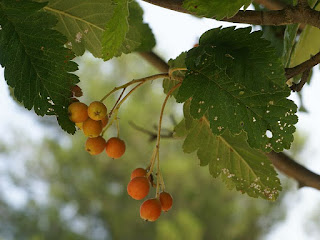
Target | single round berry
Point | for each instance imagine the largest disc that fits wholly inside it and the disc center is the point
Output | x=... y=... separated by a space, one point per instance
x=76 y=90
x=150 y=210
x=166 y=201
x=105 y=121
x=97 y=110
x=115 y=147
x=138 y=188
x=95 y=145
x=92 y=128
x=138 y=172
x=78 y=112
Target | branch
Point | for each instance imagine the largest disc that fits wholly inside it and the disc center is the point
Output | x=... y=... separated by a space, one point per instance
x=297 y=87
x=289 y=15
x=152 y=135
x=314 y=60
x=155 y=60
x=276 y=5
x=294 y=170
x=281 y=161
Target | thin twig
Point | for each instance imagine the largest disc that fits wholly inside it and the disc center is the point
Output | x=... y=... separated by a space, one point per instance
x=145 y=79
x=110 y=113
x=305 y=76
x=314 y=60
x=152 y=135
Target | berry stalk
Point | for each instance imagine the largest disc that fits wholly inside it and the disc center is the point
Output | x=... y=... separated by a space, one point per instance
x=145 y=79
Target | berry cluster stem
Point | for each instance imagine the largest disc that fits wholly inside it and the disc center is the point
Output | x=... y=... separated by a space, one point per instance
x=119 y=98
x=161 y=113
x=116 y=109
x=172 y=70
x=145 y=79
x=155 y=156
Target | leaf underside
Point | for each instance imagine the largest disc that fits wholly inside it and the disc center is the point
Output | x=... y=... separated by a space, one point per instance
x=82 y=22
x=104 y=28
x=37 y=65
x=230 y=157
x=238 y=80
x=215 y=8
x=125 y=31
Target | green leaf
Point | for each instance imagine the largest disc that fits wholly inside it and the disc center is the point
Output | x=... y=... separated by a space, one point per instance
x=179 y=62
x=140 y=37
x=307 y=46
x=235 y=77
x=230 y=157
x=36 y=63
x=126 y=32
x=84 y=23
x=271 y=33
x=290 y=35
x=116 y=30
x=215 y=8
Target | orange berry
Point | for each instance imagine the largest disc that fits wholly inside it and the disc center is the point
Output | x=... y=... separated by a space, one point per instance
x=76 y=90
x=115 y=147
x=138 y=172
x=166 y=201
x=95 y=145
x=150 y=210
x=79 y=125
x=78 y=112
x=138 y=188
x=92 y=128
x=97 y=110
x=105 y=121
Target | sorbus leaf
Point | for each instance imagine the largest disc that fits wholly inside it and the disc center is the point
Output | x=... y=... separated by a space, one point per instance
x=115 y=26
x=116 y=30
x=289 y=40
x=238 y=80
x=82 y=22
x=215 y=8
x=125 y=32
x=229 y=157
x=37 y=65
x=307 y=45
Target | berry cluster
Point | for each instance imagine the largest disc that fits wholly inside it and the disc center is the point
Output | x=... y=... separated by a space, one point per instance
x=139 y=187
x=92 y=120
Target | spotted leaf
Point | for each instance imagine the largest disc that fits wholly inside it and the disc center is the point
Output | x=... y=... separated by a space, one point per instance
x=236 y=78
x=230 y=157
